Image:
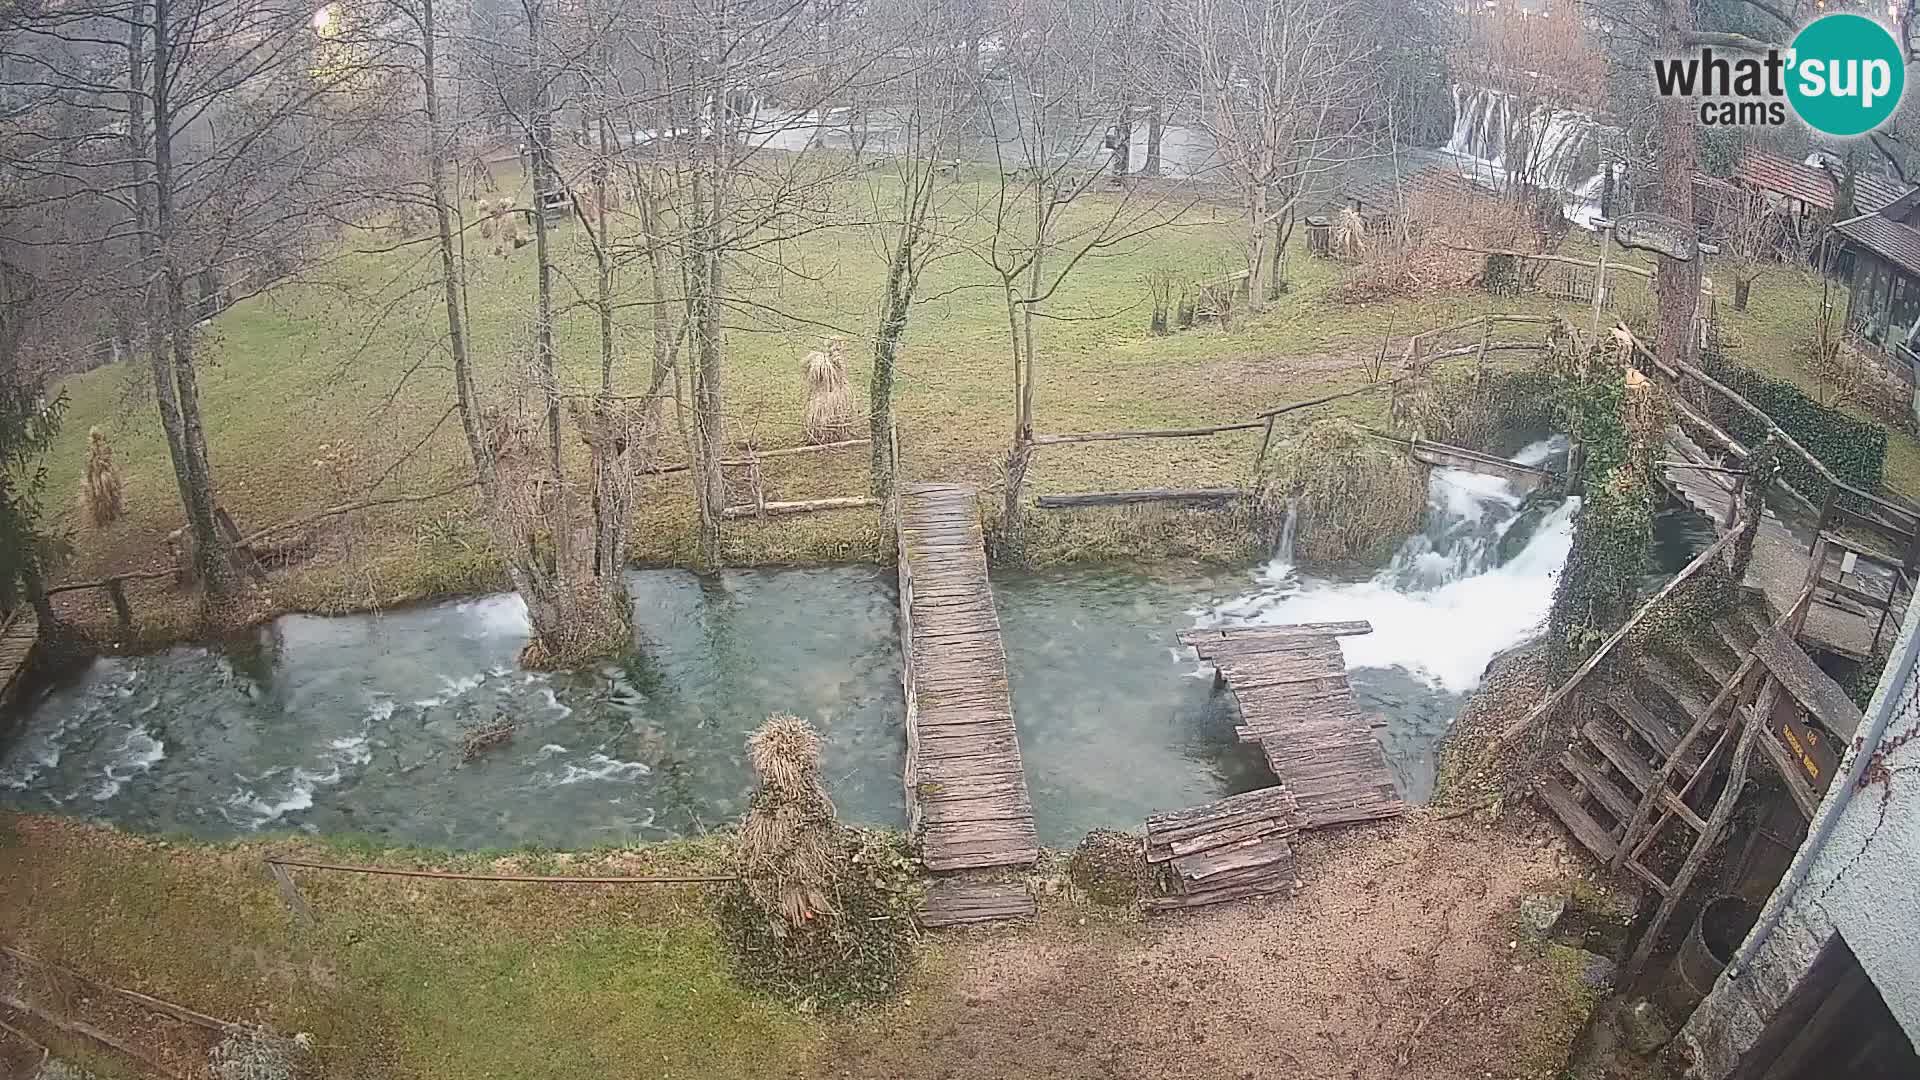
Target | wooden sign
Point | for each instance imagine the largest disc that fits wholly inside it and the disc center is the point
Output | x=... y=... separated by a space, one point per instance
x=1810 y=747
x=1656 y=232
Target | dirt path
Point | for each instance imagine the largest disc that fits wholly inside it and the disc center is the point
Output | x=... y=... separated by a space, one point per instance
x=1393 y=961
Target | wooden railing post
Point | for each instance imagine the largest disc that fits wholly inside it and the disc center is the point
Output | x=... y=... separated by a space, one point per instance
x=1733 y=504
x=122 y=611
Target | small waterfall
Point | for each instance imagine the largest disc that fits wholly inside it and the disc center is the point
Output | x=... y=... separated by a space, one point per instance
x=1283 y=552
x=1446 y=604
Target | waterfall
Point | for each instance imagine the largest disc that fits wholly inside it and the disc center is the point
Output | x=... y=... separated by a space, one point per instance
x=1283 y=552
x=1563 y=141
x=1447 y=603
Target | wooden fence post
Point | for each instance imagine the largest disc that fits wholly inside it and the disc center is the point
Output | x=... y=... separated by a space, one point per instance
x=122 y=611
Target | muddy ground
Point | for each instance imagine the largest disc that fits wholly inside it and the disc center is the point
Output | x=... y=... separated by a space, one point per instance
x=1399 y=957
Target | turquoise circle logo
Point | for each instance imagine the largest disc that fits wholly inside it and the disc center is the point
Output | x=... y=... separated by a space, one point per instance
x=1848 y=74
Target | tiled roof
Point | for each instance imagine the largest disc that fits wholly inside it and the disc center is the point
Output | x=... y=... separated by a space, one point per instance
x=1870 y=193
x=1793 y=179
x=1898 y=244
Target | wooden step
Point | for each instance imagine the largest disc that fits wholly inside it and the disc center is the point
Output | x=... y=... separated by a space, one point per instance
x=1659 y=734
x=958 y=902
x=1604 y=791
x=1701 y=651
x=1735 y=634
x=1631 y=765
x=1578 y=821
x=1663 y=677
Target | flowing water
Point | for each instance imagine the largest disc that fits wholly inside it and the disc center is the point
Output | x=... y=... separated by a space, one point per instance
x=1564 y=155
x=354 y=724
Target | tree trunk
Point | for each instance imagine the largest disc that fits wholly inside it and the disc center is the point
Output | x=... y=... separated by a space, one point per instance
x=1282 y=232
x=210 y=554
x=886 y=351
x=137 y=153
x=1257 y=248
x=709 y=427
x=1123 y=142
x=1676 y=284
x=1742 y=287
x=1151 y=167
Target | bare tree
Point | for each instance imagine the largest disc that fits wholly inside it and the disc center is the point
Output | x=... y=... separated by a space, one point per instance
x=1045 y=129
x=1288 y=90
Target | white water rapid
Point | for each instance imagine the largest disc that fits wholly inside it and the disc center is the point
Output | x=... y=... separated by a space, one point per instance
x=1564 y=145
x=1446 y=605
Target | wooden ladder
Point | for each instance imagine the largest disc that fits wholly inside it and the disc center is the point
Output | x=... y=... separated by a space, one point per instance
x=1663 y=802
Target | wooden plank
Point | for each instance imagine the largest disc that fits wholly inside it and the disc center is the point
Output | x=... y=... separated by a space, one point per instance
x=957 y=902
x=1182 y=496
x=1807 y=684
x=1657 y=732
x=1630 y=764
x=1604 y=791
x=1578 y=822
x=1263 y=851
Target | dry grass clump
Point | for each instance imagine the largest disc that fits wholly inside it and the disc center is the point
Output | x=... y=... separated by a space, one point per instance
x=100 y=488
x=822 y=914
x=1356 y=497
x=791 y=838
x=829 y=412
x=1419 y=254
x=479 y=738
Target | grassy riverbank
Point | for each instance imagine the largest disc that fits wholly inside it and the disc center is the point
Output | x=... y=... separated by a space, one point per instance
x=347 y=368
x=397 y=979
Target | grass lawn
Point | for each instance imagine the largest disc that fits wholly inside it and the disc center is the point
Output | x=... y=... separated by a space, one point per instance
x=350 y=364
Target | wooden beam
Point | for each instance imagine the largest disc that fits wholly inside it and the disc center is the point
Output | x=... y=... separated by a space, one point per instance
x=775 y=509
x=784 y=451
x=1142 y=495
x=1543 y=257
x=1554 y=699
x=1160 y=433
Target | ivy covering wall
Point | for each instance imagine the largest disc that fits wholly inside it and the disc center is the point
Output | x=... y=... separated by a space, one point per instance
x=1856 y=450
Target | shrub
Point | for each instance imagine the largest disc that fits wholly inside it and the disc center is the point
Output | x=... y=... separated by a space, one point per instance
x=1356 y=496
x=1856 y=450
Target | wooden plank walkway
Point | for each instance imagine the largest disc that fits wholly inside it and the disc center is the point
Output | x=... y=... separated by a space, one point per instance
x=18 y=638
x=967 y=800
x=1780 y=560
x=1226 y=850
x=1291 y=683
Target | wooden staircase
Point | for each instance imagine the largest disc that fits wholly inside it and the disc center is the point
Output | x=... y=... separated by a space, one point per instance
x=1642 y=760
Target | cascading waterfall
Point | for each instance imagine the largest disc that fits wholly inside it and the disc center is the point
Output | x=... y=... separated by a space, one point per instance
x=1283 y=552
x=1562 y=140
x=1447 y=604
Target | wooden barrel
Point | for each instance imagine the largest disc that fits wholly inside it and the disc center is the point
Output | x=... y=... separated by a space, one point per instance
x=1319 y=231
x=1704 y=954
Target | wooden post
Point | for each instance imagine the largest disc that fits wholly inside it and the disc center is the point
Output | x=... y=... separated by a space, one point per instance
x=122 y=611
x=1266 y=440
x=1733 y=504
x=1600 y=283
x=759 y=490
x=242 y=555
x=1716 y=824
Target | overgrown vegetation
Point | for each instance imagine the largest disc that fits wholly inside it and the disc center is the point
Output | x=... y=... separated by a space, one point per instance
x=1855 y=449
x=823 y=915
x=1353 y=497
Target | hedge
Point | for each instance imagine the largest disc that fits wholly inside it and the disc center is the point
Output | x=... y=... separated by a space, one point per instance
x=1856 y=450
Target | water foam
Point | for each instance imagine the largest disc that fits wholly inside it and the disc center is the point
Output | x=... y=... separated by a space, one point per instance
x=1445 y=606
x=600 y=767
x=139 y=752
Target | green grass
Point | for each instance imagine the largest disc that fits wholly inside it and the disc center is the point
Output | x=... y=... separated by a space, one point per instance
x=399 y=978
x=352 y=357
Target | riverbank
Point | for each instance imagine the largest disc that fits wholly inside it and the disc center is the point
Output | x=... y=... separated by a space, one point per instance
x=318 y=393
x=1395 y=951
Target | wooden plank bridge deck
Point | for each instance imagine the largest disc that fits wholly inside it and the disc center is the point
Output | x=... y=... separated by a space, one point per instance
x=967 y=800
x=1295 y=701
x=1781 y=560
x=18 y=637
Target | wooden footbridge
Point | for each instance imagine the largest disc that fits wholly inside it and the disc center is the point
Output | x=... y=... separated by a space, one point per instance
x=966 y=787
x=19 y=635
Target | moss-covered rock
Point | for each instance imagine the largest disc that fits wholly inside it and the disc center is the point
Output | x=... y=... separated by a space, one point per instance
x=1110 y=867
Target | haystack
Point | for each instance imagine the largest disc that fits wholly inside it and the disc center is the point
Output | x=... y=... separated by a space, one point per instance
x=829 y=416
x=1349 y=234
x=790 y=843
x=821 y=914
x=100 y=489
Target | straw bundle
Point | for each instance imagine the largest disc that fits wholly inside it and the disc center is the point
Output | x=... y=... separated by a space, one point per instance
x=829 y=413
x=100 y=489
x=791 y=844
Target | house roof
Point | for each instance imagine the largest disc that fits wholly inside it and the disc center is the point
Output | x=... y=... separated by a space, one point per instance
x=1870 y=193
x=1770 y=172
x=1897 y=243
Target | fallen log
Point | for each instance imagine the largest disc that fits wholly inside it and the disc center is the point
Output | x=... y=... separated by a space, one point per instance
x=1142 y=495
x=773 y=509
